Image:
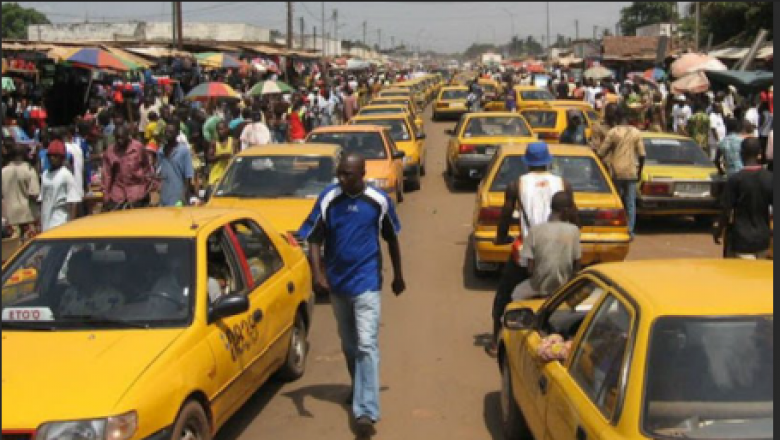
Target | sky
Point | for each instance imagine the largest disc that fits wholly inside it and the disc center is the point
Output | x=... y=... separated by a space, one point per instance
x=443 y=27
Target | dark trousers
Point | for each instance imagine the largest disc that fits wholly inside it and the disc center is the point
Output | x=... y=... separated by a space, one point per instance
x=511 y=276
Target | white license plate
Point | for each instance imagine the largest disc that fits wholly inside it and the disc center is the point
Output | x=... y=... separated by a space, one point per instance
x=490 y=150
x=457 y=105
x=692 y=189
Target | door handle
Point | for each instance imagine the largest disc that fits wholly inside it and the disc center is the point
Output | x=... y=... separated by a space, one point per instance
x=290 y=287
x=581 y=434
x=257 y=316
x=543 y=385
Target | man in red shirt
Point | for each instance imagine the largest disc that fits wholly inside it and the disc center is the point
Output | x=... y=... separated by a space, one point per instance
x=128 y=176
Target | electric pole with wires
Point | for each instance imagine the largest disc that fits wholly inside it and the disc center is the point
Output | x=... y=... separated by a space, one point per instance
x=289 y=25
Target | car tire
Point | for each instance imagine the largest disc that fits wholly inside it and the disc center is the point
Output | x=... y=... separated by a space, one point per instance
x=191 y=423
x=705 y=220
x=295 y=363
x=449 y=168
x=513 y=424
x=399 y=191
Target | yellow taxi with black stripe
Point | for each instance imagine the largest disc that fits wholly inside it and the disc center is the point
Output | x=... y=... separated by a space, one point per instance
x=452 y=101
x=150 y=324
x=604 y=232
x=549 y=120
x=643 y=350
x=477 y=137
x=386 y=109
x=406 y=138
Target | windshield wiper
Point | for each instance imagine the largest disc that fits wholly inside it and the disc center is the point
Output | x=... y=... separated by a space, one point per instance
x=103 y=321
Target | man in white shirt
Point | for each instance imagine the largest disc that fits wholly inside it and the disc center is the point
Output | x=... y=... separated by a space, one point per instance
x=58 y=190
x=256 y=133
x=681 y=113
x=751 y=115
x=717 y=128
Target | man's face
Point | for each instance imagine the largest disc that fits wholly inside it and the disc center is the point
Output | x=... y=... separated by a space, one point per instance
x=350 y=175
x=222 y=131
x=171 y=132
x=56 y=161
x=123 y=137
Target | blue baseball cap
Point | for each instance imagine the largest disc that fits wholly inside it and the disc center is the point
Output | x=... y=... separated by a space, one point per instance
x=537 y=154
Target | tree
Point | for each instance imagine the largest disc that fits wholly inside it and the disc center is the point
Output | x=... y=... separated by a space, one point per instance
x=16 y=19
x=475 y=50
x=644 y=13
x=733 y=22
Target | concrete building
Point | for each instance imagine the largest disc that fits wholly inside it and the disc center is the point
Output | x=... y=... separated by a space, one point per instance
x=146 y=31
x=656 y=30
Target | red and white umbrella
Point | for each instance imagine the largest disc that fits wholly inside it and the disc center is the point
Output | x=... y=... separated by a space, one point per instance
x=696 y=62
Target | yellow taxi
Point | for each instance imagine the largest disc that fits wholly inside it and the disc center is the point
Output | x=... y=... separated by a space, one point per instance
x=406 y=138
x=417 y=92
x=639 y=351
x=394 y=92
x=451 y=101
x=280 y=181
x=548 y=121
x=150 y=324
x=604 y=232
x=384 y=162
x=492 y=95
x=531 y=96
x=403 y=100
x=678 y=179
x=387 y=109
x=477 y=137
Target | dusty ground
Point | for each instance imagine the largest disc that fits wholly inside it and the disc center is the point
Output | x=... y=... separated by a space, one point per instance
x=437 y=381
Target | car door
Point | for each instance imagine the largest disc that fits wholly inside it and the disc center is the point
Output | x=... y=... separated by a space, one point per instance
x=563 y=314
x=221 y=274
x=586 y=395
x=271 y=304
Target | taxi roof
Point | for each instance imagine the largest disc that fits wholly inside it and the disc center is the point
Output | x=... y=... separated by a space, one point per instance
x=526 y=88
x=494 y=114
x=381 y=117
x=696 y=287
x=349 y=128
x=146 y=222
x=454 y=88
x=555 y=150
x=292 y=149
x=395 y=89
x=382 y=106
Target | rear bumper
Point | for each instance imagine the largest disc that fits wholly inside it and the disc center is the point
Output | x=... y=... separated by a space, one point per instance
x=609 y=250
x=471 y=166
x=411 y=171
x=647 y=205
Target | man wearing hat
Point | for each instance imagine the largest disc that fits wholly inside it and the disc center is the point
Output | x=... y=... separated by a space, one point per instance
x=59 y=195
x=532 y=195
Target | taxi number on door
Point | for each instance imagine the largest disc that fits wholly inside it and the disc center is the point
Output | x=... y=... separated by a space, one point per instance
x=27 y=314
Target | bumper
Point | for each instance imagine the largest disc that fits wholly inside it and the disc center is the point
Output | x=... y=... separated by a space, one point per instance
x=612 y=249
x=163 y=434
x=411 y=171
x=676 y=206
x=472 y=166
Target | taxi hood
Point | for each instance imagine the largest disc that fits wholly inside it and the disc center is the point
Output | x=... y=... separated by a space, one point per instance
x=286 y=215
x=74 y=374
x=378 y=169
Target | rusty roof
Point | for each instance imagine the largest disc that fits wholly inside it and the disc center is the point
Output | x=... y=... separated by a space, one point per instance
x=630 y=48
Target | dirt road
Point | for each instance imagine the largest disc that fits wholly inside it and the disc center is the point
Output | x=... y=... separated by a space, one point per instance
x=437 y=381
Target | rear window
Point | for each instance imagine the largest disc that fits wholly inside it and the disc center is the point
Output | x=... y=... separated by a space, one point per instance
x=675 y=152
x=454 y=94
x=536 y=95
x=398 y=129
x=710 y=378
x=496 y=126
x=541 y=118
x=381 y=111
x=583 y=173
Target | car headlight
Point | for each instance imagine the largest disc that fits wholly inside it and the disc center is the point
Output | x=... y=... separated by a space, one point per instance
x=120 y=427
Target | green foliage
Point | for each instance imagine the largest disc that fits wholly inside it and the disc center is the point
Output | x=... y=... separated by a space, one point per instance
x=645 y=13
x=16 y=19
x=734 y=22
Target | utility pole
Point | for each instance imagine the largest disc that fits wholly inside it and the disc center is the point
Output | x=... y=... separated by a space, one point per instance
x=336 y=31
x=379 y=39
x=289 y=25
x=314 y=36
x=595 y=28
x=174 y=24
x=323 y=29
x=548 y=27
x=303 y=36
x=180 y=23
x=698 y=22
x=576 y=29
x=364 y=32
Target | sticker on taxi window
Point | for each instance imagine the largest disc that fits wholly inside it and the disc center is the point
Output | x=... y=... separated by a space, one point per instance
x=262 y=164
x=669 y=142
x=27 y=314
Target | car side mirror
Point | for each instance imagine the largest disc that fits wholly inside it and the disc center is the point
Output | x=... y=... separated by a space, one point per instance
x=519 y=319
x=399 y=155
x=450 y=132
x=227 y=306
x=421 y=136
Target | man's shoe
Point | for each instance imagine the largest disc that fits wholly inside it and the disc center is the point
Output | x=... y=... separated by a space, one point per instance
x=491 y=350
x=365 y=426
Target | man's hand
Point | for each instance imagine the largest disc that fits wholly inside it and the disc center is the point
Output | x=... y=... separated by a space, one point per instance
x=399 y=285
x=321 y=284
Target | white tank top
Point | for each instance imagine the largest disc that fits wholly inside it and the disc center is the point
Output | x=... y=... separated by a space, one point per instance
x=536 y=193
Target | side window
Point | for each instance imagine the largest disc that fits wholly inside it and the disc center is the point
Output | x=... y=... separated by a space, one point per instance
x=566 y=315
x=261 y=255
x=222 y=270
x=601 y=355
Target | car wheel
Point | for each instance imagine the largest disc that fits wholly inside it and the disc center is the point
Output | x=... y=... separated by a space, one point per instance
x=399 y=192
x=295 y=364
x=513 y=423
x=192 y=423
x=423 y=167
x=449 y=168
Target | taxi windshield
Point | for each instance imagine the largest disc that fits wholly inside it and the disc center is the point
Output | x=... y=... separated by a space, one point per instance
x=294 y=176
x=675 y=152
x=582 y=172
x=541 y=118
x=398 y=129
x=496 y=126
x=108 y=283
x=454 y=94
x=710 y=378
x=368 y=145
x=536 y=95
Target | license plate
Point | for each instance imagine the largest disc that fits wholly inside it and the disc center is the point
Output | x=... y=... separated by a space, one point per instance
x=457 y=105
x=490 y=150
x=692 y=189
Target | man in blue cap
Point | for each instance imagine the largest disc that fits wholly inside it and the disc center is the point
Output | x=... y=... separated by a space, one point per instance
x=532 y=195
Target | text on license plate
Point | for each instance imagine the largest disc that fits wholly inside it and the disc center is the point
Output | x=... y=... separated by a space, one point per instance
x=693 y=189
x=490 y=150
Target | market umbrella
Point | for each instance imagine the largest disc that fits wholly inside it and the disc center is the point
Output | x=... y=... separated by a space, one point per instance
x=692 y=83
x=655 y=74
x=212 y=90
x=94 y=57
x=8 y=84
x=598 y=72
x=743 y=81
x=695 y=62
x=218 y=60
x=270 y=87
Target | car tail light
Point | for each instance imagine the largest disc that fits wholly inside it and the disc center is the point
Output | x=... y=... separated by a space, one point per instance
x=442 y=105
x=611 y=217
x=548 y=136
x=656 y=189
x=292 y=240
x=467 y=149
x=489 y=216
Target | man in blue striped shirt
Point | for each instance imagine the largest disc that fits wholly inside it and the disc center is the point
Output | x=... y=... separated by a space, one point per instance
x=349 y=219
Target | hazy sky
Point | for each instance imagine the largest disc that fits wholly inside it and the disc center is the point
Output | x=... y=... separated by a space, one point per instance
x=446 y=27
